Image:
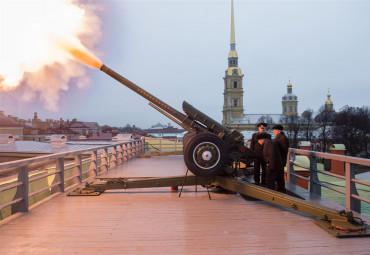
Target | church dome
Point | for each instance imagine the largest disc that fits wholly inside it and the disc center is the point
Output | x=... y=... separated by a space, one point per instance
x=234 y=70
x=328 y=101
x=289 y=96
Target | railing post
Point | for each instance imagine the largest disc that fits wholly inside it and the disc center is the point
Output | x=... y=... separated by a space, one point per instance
x=59 y=176
x=120 y=154
x=315 y=187
x=125 y=152
x=113 y=159
x=93 y=164
x=288 y=166
x=22 y=191
x=129 y=151
x=104 y=161
x=134 y=149
x=143 y=146
x=78 y=168
x=290 y=174
x=351 y=203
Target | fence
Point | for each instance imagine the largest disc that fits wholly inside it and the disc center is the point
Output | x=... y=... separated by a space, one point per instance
x=352 y=198
x=161 y=144
x=61 y=172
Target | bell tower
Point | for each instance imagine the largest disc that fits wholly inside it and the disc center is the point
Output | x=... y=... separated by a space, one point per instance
x=233 y=82
x=290 y=102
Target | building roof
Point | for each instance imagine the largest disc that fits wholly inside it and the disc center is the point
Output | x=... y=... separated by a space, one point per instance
x=91 y=124
x=8 y=122
x=78 y=125
x=157 y=126
x=255 y=118
x=165 y=130
x=58 y=131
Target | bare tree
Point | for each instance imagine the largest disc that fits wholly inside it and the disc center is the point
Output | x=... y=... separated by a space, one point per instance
x=267 y=119
x=293 y=124
x=307 y=123
x=351 y=127
x=324 y=120
x=364 y=127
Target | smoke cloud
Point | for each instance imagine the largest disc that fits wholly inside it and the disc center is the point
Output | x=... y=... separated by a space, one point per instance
x=34 y=63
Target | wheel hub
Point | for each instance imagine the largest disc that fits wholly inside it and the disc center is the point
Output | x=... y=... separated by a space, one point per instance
x=206 y=155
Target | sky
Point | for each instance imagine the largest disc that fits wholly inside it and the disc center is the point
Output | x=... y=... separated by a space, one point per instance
x=177 y=50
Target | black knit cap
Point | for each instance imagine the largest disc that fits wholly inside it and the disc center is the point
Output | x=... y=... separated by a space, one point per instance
x=261 y=124
x=278 y=127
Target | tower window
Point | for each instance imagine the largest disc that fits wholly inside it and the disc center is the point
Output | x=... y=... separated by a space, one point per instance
x=235 y=102
x=235 y=84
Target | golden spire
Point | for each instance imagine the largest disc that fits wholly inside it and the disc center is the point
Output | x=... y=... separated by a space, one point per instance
x=232 y=37
x=232 y=53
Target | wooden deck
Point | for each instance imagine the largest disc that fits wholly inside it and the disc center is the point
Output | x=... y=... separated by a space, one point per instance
x=157 y=221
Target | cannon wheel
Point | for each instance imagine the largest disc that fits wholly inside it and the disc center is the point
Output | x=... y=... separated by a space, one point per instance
x=205 y=155
x=187 y=137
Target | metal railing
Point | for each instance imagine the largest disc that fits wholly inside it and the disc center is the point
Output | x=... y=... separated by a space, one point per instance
x=352 y=198
x=60 y=172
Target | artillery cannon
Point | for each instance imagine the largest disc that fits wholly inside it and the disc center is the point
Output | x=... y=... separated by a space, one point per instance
x=210 y=149
x=211 y=152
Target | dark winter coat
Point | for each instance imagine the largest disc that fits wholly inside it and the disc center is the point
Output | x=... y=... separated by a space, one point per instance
x=271 y=155
x=283 y=144
x=255 y=146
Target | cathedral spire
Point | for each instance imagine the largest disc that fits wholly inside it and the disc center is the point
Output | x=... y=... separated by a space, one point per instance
x=233 y=55
x=232 y=36
x=233 y=109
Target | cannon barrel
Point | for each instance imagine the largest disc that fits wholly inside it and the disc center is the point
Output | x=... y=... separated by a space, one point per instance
x=178 y=115
x=186 y=121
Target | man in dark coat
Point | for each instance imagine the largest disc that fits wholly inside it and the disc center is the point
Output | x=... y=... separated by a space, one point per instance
x=283 y=144
x=258 y=162
x=271 y=156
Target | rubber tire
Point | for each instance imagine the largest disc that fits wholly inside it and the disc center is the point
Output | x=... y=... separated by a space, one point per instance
x=202 y=141
x=186 y=138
